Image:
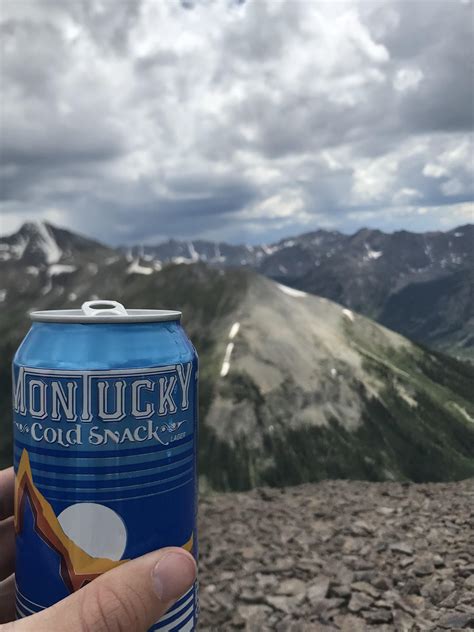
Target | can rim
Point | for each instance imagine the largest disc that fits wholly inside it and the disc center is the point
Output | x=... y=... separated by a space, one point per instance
x=78 y=316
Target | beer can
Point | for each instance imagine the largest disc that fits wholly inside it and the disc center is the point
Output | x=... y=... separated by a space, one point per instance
x=105 y=423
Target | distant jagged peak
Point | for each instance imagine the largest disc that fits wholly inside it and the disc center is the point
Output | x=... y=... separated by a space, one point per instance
x=38 y=242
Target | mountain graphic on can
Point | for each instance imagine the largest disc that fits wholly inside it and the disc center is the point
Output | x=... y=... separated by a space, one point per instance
x=105 y=428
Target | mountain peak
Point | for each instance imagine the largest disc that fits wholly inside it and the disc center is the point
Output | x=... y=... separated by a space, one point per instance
x=34 y=226
x=41 y=240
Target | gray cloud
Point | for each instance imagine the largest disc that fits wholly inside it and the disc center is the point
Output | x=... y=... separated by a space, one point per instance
x=229 y=120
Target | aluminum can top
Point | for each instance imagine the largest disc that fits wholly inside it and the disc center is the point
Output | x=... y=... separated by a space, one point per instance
x=104 y=311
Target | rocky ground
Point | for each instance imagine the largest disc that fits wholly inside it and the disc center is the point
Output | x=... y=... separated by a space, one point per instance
x=339 y=555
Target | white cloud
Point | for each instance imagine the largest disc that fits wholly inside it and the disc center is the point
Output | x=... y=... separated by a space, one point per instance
x=232 y=119
x=407 y=79
x=433 y=171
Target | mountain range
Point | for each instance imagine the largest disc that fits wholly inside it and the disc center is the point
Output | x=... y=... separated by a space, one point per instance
x=419 y=284
x=294 y=387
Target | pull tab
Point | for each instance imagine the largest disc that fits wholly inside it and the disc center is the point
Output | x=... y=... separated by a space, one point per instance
x=103 y=308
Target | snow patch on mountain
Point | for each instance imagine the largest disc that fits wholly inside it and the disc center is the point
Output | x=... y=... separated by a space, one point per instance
x=463 y=412
x=348 y=314
x=193 y=253
x=47 y=243
x=290 y=291
x=59 y=268
x=136 y=268
x=234 y=330
x=18 y=248
x=226 y=364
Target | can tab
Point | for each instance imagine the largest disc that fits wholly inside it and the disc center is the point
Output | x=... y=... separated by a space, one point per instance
x=103 y=308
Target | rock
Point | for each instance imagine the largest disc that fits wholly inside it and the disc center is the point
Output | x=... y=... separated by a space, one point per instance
x=381 y=583
x=411 y=587
x=410 y=603
x=349 y=623
x=254 y=613
x=251 y=552
x=406 y=561
x=264 y=566
x=378 y=616
x=446 y=588
x=360 y=527
x=359 y=602
x=401 y=547
x=430 y=590
x=456 y=620
x=385 y=511
x=469 y=582
x=340 y=591
x=366 y=588
x=284 y=603
x=438 y=561
x=291 y=587
x=251 y=596
x=402 y=621
x=318 y=589
x=450 y=601
x=327 y=608
x=423 y=566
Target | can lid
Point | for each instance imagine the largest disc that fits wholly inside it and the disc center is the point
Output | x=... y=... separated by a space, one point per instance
x=103 y=311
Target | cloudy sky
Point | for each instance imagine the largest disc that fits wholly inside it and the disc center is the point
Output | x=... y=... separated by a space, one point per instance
x=238 y=120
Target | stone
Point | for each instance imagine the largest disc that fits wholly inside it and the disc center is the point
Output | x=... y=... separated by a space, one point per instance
x=469 y=582
x=423 y=566
x=406 y=561
x=450 y=601
x=446 y=588
x=244 y=590
x=380 y=615
x=430 y=590
x=251 y=596
x=401 y=547
x=438 y=561
x=340 y=591
x=254 y=613
x=402 y=621
x=366 y=588
x=285 y=603
x=385 y=511
x=456 y=620
x=359 y=602
x=349 y=623
x=291 y=587
x=318 y=589
x=381 y=583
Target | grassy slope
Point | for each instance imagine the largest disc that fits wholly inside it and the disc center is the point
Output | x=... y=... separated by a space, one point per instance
x=432 y=440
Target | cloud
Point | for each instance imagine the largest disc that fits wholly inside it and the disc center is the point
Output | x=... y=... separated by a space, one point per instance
x=235 y=120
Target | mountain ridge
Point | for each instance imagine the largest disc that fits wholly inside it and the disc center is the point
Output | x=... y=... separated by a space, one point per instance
x=372 y=272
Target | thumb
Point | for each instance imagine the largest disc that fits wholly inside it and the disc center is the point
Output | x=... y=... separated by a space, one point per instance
x=129 y=598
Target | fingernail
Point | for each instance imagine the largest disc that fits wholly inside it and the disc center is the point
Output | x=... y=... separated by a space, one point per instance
x=173 y=575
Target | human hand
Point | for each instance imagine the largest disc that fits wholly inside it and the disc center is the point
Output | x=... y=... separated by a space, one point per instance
x=129 y=598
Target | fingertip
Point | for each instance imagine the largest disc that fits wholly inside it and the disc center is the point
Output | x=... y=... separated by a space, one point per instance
x=173 y=574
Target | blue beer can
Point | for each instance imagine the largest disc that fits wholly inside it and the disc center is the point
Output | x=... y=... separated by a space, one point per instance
x=105 y=422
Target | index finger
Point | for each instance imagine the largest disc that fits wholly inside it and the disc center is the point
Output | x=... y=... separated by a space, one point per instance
x=7 y=480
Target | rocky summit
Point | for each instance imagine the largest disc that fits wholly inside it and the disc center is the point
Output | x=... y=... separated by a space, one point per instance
x=339 y=556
